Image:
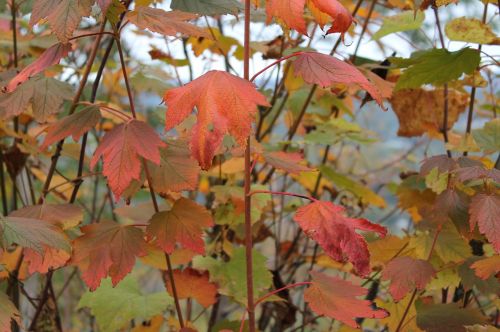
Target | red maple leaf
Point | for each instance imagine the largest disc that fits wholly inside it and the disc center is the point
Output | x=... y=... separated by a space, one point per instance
x=182 y=224
x=484 y=211
x=325 y=70
x=325 y=223
x=121 y=149
x=225 y=103
x=337 y=299
x=107 y=248
x=49 y=57
x=406 y=274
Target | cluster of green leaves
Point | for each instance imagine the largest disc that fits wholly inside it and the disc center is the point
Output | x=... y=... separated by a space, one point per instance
x=250 y=211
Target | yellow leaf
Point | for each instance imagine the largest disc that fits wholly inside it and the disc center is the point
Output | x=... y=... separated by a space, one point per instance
x=396 y=310
x=385 y=249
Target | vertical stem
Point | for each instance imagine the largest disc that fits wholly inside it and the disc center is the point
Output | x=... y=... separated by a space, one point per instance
x=150 y=182
x=445 y=92
x=174 y=290
x=248 y=219
x=3 y=186
x=13 y=11
x=473 y=90
x=365 y=26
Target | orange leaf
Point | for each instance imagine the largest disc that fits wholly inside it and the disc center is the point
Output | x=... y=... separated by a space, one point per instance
x=337 y=298
x=225 y=102
x=49 y=57
x=420 y=111
x=290 y=11
x=177 y=170
x=107 y=248
x=484 y=210
x=325 y=70
x=484 y=268
x=325 y=223
x=51 y=258
x=121 y=148
x=342 y=19
x=182 y=224
x=190 y=283
x=167 y=23
x=405 y=274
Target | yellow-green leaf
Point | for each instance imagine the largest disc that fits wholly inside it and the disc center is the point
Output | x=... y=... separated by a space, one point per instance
x=470 y=30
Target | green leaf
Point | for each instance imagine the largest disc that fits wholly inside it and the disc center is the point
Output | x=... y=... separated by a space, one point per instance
x=401 y=22
x=31 y=233
x=115 y=307
x=436 y=181
x=8 y=312
x=231 y=276
x=435 y=66
x=470 y=30
x=114 y=11
x=488 y=138
x=342 y=182
x=450 y=246
x=446 y=317
x=207 y=7
x=235 y=195
x=335 y=130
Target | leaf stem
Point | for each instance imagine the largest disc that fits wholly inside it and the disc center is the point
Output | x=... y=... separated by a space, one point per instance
x=248 y=198
x=125 y=76
x=92 y=34
x=281 y=193
x=273 y=64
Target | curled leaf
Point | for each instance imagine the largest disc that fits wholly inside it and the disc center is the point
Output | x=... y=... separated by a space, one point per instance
x=337 y=234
